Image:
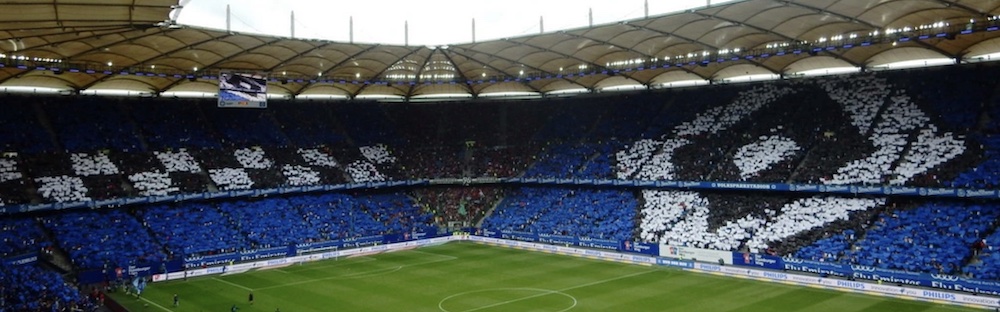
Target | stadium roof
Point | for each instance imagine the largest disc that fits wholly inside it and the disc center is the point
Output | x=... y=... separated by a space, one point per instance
x=135 y=45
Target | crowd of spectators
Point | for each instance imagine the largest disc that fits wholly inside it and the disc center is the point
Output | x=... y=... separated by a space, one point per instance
x=681 y=134
x=89 y=165
x=31 y=288
x=377 y=154
x=27 y=287
x=504 y=161
x=177 y=161
x=105 y=239
x=252 y=158
x=685 y=218
x=335 y=216
x=308 y=124
x=753 y=158
x=62 y=189
x=9 y=170
x=20 y=235
x=955 y=96
x=751 y=133
x=153 y=183
x=240 y=128
x=12 y=182
x=229 y=179
x=941 y=233
x=85 y=124
x=307 y=166
x=604 y=214
x=20 y=128
x=928 y=151
x=364 y=171
x=366 y=125
x=296 y=175
x=395 y=212
x=433 y=162
x=465 y=205
x=318 y=158
x=162 y=126
x=561 y=161
x=191 y=229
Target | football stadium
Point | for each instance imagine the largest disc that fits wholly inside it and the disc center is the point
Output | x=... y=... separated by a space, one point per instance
x=745 y=155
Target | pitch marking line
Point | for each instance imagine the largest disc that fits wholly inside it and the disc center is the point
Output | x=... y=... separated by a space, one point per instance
x=544 y=292
x=233 y=284
x=360 y=274
x=156 y=304
x=292 y=269
x=557 y=291
x=434 y=254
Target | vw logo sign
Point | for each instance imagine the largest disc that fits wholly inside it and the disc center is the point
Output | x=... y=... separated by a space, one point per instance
x=863 y=268
x=943 y=277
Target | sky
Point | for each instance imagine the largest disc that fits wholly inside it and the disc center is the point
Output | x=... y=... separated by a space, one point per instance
x=430 y=22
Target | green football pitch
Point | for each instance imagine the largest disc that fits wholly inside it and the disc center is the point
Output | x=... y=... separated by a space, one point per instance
x=466 y=277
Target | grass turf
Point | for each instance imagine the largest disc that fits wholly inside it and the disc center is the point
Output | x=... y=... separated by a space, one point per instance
x=466 y=277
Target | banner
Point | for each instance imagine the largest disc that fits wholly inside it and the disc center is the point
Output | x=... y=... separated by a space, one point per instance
x=564 y=240
x=852 y=285
x=314 y=247
x=696 y=254
x=487 y=233
x=210 y=260
x=355 y=242
x=651 y=249
x=608 y=244
x=226 y=258
x=147 y=269
x=758 y=260
x=845 y=271
x=817 y=267
x=28 y=258
x=428 y=232
x=684 y=264
x=555 y=239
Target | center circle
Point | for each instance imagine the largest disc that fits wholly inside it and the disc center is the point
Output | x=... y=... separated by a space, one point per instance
x=495 y=297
